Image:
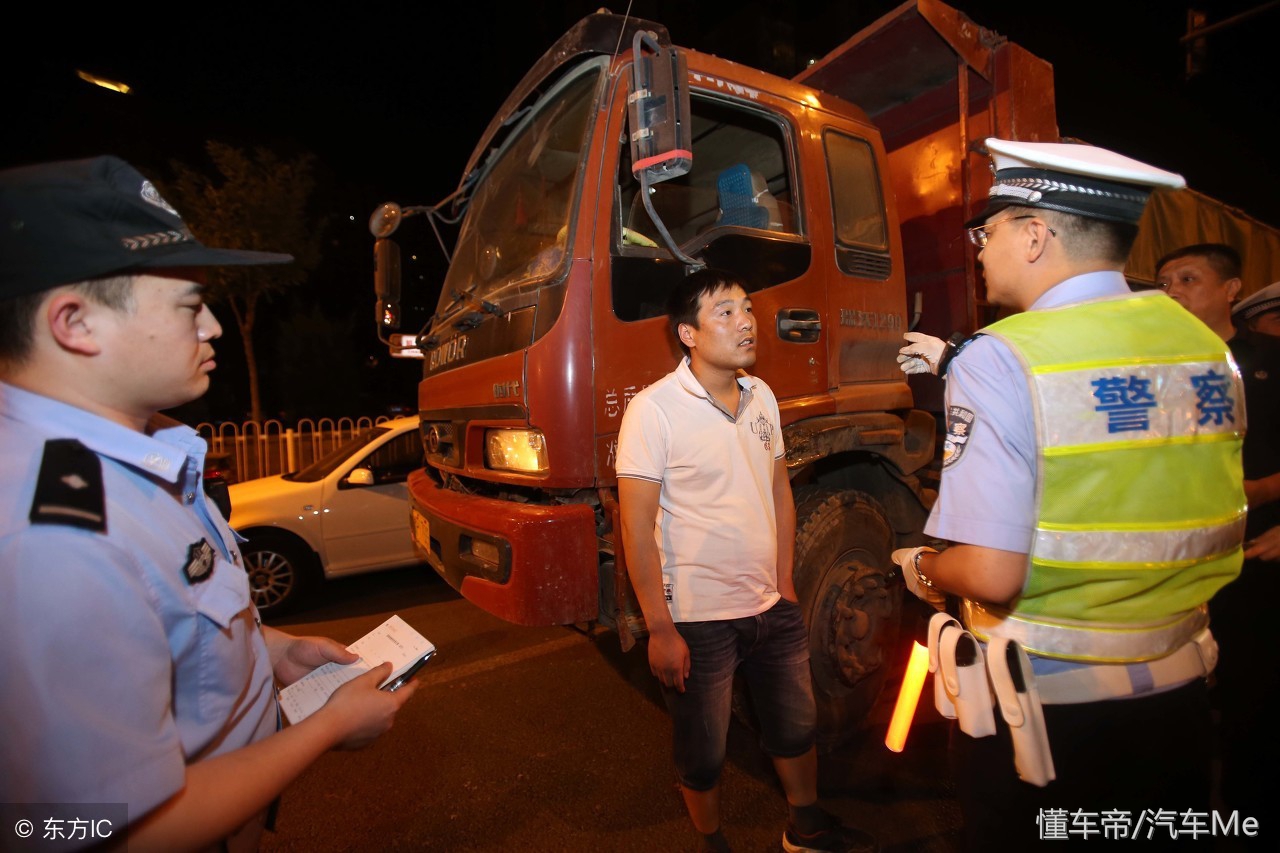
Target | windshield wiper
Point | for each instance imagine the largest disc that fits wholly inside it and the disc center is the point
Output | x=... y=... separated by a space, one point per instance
x=482 y=304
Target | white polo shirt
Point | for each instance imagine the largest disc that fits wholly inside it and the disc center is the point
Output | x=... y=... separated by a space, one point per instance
x=716 y=528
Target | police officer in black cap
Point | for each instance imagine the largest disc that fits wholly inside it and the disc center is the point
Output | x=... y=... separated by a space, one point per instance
x=136 y=670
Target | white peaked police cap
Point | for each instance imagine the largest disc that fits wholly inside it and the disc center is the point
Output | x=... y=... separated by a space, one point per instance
x=1266 y=299
x=1082 y=180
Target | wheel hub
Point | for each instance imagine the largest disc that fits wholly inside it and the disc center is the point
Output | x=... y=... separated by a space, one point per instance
x=270 y=577
x=856 y=609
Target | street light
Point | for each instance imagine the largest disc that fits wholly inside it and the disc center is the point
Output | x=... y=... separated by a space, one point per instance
x=122 y=88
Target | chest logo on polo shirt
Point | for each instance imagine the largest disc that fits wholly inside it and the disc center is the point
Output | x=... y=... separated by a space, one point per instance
x=763 y=428
x=960 y=424
x=199 y=565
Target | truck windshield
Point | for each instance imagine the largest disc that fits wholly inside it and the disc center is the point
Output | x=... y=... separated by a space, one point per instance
x=517 y=224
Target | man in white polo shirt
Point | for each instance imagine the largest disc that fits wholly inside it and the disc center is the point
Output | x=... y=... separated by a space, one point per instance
x=708 y=528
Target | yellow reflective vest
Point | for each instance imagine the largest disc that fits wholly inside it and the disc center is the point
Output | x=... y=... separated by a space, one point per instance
x=1139 y=417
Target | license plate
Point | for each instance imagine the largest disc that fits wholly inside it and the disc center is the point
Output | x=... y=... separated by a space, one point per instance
x=421 y=531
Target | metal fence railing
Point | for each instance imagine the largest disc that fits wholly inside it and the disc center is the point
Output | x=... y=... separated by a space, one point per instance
x=252 y=449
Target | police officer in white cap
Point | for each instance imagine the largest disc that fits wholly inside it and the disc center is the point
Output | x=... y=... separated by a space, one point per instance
x=1091 y=488
x=1260 y=311
x=137 y=677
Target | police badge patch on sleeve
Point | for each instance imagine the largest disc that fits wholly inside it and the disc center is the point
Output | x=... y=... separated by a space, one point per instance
x=960 y=424
x=199 y=565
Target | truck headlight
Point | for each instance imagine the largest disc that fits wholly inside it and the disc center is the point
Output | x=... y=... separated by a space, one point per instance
x=523 y=450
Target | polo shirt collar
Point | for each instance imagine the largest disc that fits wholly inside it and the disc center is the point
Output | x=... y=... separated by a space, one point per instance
x=689 y=382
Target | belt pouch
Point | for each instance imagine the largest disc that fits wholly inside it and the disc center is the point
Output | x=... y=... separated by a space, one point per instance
x=1019 y=700
x=964 y=674
x=939 y=623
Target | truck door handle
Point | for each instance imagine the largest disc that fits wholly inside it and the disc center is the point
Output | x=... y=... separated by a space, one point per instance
x=799 y=325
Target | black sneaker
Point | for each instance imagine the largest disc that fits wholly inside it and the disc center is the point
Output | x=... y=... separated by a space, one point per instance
x=834 y=838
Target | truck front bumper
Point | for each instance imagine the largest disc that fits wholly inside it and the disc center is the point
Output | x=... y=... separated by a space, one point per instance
x=526 y=563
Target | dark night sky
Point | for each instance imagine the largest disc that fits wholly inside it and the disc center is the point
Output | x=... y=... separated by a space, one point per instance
x=393 y=100
x=392 y=97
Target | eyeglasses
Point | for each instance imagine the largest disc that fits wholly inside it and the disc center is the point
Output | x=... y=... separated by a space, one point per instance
x=978 y=235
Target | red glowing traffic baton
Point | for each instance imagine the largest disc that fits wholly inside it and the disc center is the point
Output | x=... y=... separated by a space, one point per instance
x=908 y=697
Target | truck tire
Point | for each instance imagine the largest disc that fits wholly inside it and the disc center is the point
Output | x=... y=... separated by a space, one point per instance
x=843 y=546
x=280 y=570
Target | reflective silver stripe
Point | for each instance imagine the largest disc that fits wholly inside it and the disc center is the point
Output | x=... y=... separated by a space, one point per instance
x=1098 y=642
x=1168 y=401
x=1008 y=190
x=1110 y=681
x=1008 y=186
x=1169 y=547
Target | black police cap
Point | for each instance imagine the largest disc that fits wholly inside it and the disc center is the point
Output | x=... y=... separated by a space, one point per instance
x=73 y=220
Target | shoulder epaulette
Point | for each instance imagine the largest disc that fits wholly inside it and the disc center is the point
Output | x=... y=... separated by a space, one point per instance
x=69 y=487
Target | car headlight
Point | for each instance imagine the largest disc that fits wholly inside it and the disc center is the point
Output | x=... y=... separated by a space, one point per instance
x=523 y=450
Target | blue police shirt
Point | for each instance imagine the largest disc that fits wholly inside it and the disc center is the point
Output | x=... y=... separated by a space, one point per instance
x=988 y=492
x=132 y=652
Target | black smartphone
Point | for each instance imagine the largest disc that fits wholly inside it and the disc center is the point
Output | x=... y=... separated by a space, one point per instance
x=403 y=678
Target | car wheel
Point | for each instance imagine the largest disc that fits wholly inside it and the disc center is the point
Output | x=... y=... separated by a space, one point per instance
x=279 y=570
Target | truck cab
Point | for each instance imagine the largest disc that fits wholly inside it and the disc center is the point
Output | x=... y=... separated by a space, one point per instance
x=551 y=318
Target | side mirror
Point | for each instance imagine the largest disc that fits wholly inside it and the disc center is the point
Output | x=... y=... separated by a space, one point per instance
x=659 y=115
x=359 y=477
x=661 y=147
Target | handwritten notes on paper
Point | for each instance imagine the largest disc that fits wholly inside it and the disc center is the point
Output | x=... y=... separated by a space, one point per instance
x=393 y=640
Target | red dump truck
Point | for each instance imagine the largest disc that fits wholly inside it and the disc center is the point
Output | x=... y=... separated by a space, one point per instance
x=616 y=163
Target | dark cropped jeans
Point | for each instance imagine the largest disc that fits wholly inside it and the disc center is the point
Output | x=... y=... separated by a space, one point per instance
x=771 y=650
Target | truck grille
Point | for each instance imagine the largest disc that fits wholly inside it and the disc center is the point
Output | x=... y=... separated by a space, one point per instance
x=439 y=438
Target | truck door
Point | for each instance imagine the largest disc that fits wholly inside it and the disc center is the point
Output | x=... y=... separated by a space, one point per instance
x=739 y=207
x=867 y=306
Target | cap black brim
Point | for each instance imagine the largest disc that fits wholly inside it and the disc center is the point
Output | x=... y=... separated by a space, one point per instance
x=993 y=207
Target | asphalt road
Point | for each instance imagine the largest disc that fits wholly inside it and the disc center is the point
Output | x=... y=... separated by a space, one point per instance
x=550 y=739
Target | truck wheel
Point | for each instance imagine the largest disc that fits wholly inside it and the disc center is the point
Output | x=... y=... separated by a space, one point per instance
x=279 y=570
x=843 y=543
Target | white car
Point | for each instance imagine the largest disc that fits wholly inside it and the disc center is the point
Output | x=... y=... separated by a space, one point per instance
x=344 y=514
